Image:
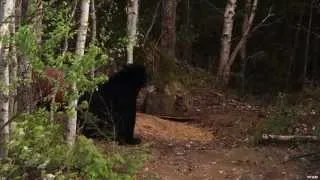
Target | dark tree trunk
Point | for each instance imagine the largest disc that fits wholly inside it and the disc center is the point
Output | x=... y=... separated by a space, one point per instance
x=168 y=28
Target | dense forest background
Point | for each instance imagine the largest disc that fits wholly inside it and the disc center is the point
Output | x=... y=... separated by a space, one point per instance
x=53 y=51
x=281 y=51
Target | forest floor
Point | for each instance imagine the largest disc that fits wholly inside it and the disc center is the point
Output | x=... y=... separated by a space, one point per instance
x=216 y=145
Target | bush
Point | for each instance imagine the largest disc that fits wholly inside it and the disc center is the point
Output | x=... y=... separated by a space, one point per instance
x=36 y=146
x=37 y=149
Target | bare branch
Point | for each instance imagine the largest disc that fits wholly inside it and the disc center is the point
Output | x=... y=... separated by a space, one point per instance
x=152 y=22
x=247 y=33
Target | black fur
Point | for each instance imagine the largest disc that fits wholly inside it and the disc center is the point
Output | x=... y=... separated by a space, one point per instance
x=114 y=102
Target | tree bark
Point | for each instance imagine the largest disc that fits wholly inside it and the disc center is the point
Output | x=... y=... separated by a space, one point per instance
x=13 y=69
x=243 y=50
x=132 y=22
x=94 y=22
x=245 y=35
x=154 y=17
x=7 y=9
x=25 y=103
x=93 y=30
x=224 y=70
x=306 y=57
x=80 y=46
x=295 y=46
x=168 y=28
x=24 y=67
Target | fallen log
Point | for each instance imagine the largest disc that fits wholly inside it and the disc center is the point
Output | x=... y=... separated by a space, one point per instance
x=177 y=118
x=289 y=137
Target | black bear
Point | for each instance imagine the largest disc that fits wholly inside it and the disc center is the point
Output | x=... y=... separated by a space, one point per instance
x=114 y=102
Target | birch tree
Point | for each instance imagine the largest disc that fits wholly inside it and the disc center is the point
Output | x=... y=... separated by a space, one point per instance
x=80 y=46
x=226 y=57
x=224 y=70
x=7 y=9
x=132 y=22
x=245 y=34
x=13 y=69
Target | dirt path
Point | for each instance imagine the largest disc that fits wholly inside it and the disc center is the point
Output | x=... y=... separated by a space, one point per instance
x=203 y=160
x=188 y=151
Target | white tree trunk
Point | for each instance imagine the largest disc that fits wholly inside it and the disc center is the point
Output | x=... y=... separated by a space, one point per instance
x=13 y=69
x=80 y=46
x=223 y=71
x=7 y=9
x=245 y=34
x=132 y=21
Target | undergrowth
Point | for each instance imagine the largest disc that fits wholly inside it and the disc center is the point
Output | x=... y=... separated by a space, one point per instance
x=37 y=150
x=292 y=114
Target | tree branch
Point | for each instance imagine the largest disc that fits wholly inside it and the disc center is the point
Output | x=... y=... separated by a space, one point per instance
x=152 y=22
x=246 y=35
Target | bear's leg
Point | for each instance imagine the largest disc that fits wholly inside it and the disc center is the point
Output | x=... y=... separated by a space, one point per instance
x=124 y=131
x=131 y=125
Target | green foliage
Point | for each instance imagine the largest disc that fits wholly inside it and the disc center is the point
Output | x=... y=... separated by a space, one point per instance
x=53 y=51
x=26 y=41
x=282 y=116
x=131 y=160
x=194 y=77
x=279 y=121
x=37 y=149
x=89 y=161
x=317 y=131
x=92 y=164
x=35 y=145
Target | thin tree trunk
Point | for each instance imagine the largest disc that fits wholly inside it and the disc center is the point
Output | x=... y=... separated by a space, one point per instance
x=315 y=63
x=154 y=17
x=66 y=43
x=80 y=46
x=295 y=45
x=7 y=9
x=24 y=88
x=306 y=57
x=13 y=69
x=94 y=30
x=132 y=22
x=243 y=50
x=245 y=35
x=223 y=70
x=94 y=22
x=187 y=48
x=168 y=28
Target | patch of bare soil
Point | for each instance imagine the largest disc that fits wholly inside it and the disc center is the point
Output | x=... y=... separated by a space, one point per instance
x=213 y=147
x=152 y=127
